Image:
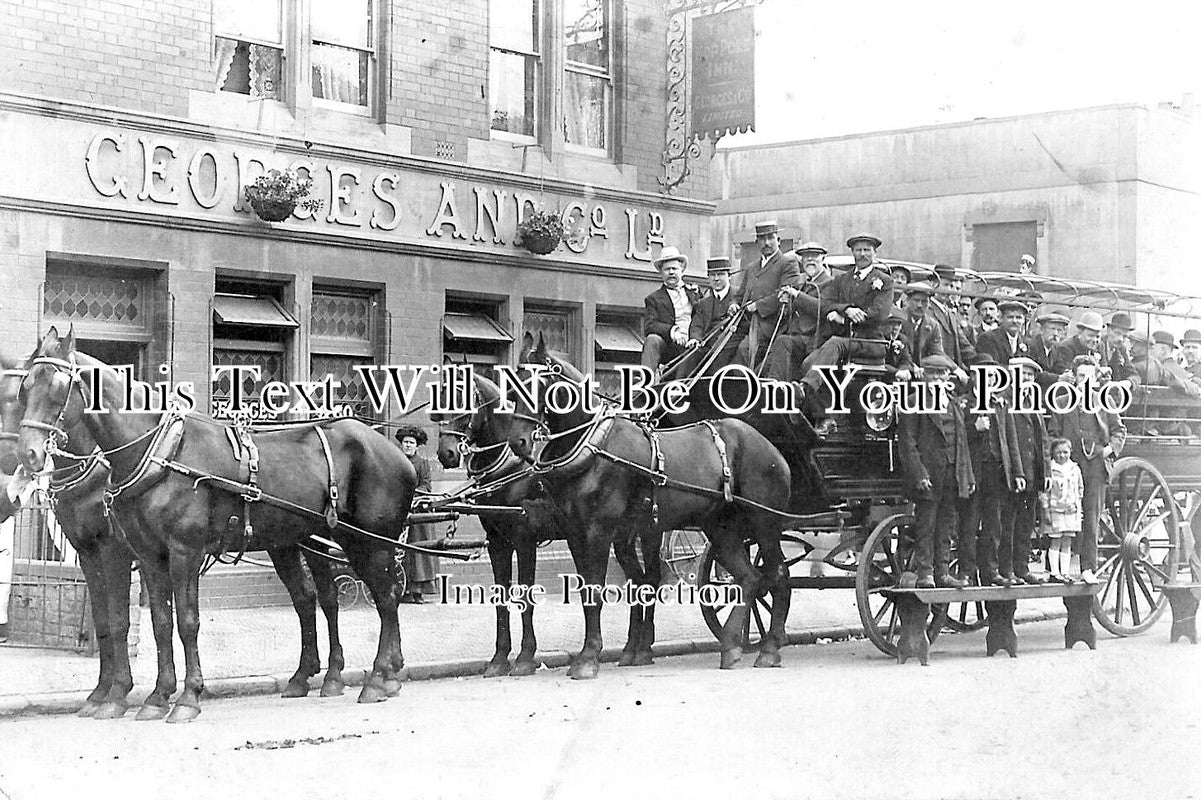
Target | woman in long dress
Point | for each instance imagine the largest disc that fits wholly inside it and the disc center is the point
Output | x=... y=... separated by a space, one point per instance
x=422 y=570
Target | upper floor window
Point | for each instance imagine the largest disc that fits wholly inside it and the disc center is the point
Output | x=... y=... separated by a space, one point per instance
x=343 y=54
x=588 y=74
x=514 y=63
x=248 y=47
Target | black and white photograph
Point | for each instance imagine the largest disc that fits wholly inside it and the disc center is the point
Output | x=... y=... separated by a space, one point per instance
x=569 y=399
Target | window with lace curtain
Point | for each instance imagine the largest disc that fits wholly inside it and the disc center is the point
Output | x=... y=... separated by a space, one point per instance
x=248 y=47
x=588 y=77
x=514 y=65
x=343 y=54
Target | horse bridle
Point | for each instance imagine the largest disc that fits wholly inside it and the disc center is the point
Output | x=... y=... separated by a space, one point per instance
x=56 y=429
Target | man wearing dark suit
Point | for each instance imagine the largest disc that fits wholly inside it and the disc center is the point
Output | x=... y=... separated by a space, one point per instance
x=898 y=358
x=1190 y=346
x=711 y=314
x=1087 y=341
x=920 y=332
x=758 y=288
x=796 y=335
x=1006 y=342
x=942 y=310
x=938 y=469
x=1115 y=349
x=1095 y=438
x=1043 y=346
x=1030 y=477
x=668 y=311
x=992 y=442
x=855 y=311
x=989 y=314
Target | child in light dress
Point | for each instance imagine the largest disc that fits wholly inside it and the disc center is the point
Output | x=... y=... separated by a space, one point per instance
x=1066 y=503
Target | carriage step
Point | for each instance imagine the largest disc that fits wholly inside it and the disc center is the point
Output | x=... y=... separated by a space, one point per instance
x=1183 y=598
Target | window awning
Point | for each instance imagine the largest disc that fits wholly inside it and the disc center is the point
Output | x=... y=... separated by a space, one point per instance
x=260 y=312
x=617 y=339
x=473 y=328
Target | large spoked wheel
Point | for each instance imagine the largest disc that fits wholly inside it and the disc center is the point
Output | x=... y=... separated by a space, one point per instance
x=1138 y=547
x=965 y=617
x=348 y=591
x=759 y=620
x=887 y=553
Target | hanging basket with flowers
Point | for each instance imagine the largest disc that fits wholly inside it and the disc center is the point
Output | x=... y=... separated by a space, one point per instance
x=540 y=232
x=276 y=193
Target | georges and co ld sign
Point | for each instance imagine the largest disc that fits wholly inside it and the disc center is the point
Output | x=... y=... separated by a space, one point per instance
x=167 y=172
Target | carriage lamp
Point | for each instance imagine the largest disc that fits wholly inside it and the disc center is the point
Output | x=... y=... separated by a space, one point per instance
x=880 y=421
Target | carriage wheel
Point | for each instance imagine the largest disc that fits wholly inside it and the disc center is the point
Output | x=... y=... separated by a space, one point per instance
x=1138 y=547
x=680 y=552
x=348 y=591
x=965 y=617
x=888 y=553
x=759 y=620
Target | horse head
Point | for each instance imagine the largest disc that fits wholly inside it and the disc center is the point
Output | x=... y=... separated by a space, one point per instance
x=544 y=369
x=52 y=393
x=481 y=430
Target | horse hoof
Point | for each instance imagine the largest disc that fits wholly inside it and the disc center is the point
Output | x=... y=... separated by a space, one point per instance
x=627 y=659
x=768 y=660
x=151 y=712
x=731 y=657
x=523 y=669
x=373 y=693
x=112 y=709
x=496 y=669
x=585 y=671
x=643 y=658
x=392 y=686
x=88 y=709
x=296 y=688
x=182 y=713
x=332 y=688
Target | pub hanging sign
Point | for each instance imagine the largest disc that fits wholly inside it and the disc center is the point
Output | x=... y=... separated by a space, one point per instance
x=722 y=97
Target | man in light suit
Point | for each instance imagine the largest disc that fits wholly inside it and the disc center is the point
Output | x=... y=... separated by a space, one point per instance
x=758 y=288
x=668 y=311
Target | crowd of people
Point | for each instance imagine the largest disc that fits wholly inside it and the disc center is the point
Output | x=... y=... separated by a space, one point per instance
x=983 y=486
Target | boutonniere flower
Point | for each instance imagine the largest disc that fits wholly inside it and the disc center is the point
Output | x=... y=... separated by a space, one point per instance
x=877 y=284
x=896 y=345
x=1022 y=347
x=691 y=287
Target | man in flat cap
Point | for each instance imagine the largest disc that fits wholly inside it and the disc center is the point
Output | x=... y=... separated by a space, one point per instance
x=943 y=311
x=854 y=309
x=712 y=312
x=923 y=336
x=1008 y=340
x=795 y=340
x=1097 y=439
x=938 y=470
x=757 y=290
x=1043 y=346
x=667 y=313
x=1087 y=341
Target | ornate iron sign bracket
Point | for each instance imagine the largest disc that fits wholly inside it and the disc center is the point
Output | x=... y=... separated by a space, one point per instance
x=679 y=148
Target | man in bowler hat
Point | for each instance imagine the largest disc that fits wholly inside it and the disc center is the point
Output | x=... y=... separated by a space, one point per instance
x=757 y=290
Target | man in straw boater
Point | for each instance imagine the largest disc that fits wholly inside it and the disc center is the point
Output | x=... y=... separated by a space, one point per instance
x=1097 y=439
x=938 y=470
x=668 y=311
x=795 y=341
x=757 y=289
x=854 y=316
x=712 y=311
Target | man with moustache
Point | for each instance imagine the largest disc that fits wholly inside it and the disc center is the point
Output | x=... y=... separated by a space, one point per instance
x=1086 y=342
x=758 y=290
x=1115 y=349
x=667 y=313
x=1006 y=341
x=989 y=314
x=1190 y=347
x=922 y=335
x=795 y=340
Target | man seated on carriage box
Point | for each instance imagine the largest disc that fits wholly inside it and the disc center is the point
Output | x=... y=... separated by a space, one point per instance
x=803 y=313
x=938 y=471
x=852 y=329
x=668 y=311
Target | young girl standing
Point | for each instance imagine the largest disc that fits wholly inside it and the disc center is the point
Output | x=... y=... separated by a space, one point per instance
x=1066 y=502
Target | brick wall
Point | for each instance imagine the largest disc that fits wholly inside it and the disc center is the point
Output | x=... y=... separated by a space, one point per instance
x=439 y=73
x=139 y=54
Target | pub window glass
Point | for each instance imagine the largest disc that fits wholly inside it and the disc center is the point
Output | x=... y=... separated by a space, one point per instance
x=343 y=51
x=513 y=66
x=248 y=47
x=588 y=80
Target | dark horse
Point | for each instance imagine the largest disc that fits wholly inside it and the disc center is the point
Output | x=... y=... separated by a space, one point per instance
x=77 y=488
x=599 y=471
x=168 y=473
x=508 y=481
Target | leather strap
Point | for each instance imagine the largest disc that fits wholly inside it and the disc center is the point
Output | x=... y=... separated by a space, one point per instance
x=331 y=509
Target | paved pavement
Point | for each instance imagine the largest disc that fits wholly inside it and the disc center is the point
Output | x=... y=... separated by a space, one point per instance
x=836 y=721
x=248 y=651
